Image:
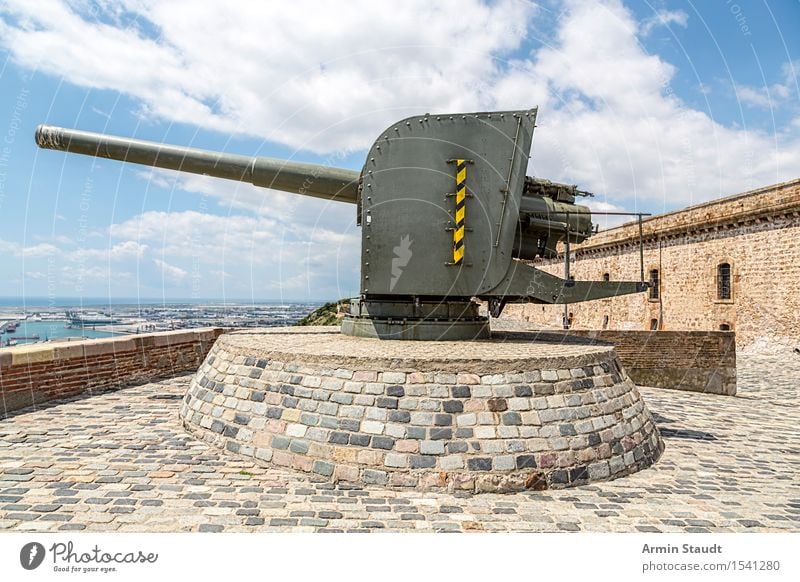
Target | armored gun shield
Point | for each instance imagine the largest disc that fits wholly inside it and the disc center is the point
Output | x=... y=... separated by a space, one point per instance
x=440 y=203
x=446 y=211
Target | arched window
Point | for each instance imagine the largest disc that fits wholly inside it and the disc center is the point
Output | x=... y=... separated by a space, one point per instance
x=605 y=322
x=724 y=281
x=724 y=326
x=606 y=277
x=655 y=283
x=654 y=324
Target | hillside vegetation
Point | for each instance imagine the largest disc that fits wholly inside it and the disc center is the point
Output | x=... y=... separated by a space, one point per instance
x=329 y=314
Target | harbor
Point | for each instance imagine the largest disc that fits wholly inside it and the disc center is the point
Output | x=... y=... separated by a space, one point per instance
x=19 y=325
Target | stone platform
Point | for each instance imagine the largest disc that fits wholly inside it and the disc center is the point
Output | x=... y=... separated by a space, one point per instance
x=497 y=415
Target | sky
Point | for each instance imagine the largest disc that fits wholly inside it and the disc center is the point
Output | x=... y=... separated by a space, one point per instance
x=652 y=105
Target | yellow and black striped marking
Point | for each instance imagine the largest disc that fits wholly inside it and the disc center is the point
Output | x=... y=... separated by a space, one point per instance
x=461 y=199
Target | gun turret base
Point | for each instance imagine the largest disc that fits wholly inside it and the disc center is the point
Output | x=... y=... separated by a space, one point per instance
x=517 y=412
x=415 y=319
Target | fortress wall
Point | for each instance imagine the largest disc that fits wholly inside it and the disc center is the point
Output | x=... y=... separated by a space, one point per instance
x=38 y=373
x=695 y=361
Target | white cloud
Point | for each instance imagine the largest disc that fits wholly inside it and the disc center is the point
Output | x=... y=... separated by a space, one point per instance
x=606 y=221
x=172 y=275
x=615 y=126
x=316 y=75
x=248 y=254
x=664 y=18
x=122 y=251
x=772 y=96
x=39 y=250
x=80 y=276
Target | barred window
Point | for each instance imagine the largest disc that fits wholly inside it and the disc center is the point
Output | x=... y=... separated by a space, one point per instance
x=655 y=282
x=724 y=281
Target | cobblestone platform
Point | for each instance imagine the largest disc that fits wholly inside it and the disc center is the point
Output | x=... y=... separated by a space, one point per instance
x=121 y=461
x=498 y=415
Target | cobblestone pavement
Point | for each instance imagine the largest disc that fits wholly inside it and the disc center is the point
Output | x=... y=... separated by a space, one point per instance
x=120 y=461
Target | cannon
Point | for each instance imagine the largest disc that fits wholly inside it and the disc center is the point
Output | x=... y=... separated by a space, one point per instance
x=447 y=213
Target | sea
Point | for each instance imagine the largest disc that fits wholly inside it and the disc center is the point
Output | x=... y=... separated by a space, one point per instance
x=50 y=328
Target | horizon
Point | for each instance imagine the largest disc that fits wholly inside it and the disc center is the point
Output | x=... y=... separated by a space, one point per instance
x=34 y=301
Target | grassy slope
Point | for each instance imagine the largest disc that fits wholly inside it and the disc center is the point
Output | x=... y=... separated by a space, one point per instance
x=325 y=315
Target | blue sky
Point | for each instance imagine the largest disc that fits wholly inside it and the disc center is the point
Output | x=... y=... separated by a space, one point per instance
x=653 y=105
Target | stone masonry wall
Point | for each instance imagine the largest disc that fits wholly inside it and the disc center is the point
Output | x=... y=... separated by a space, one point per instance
x=757 y=233
x=503 y=431
x=37 y=373
x=694 y=361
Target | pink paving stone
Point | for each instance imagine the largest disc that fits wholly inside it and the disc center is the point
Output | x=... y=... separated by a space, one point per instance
x=468 y=379
x=547 y=460
x=406 y=446
x=345 y=473
x=365 y=376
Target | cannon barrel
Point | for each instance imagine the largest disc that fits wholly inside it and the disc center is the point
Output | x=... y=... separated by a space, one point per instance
x=307 y=179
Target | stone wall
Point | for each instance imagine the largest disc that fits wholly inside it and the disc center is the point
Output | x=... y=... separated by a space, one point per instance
x=695 y=361
x=757 y=233
x=37 y=373
x=504 y=415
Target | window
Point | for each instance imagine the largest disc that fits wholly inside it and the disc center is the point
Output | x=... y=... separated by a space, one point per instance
x=724 y=326
x=606 y=277
x=653 y=324
x=655 y=282
x=724 y=281
x=605 y=322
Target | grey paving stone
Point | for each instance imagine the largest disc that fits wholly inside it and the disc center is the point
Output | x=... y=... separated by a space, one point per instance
x=725 y=468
